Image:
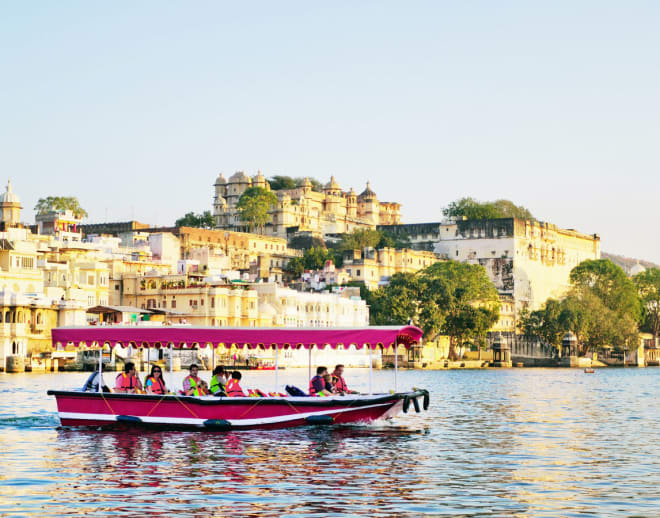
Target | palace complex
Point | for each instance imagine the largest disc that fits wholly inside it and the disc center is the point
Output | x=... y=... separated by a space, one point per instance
x=331 y=211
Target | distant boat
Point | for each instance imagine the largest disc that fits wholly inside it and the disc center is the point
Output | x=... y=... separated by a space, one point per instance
x=589 y=370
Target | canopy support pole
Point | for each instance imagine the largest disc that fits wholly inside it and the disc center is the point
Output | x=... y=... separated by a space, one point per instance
x=370 y=369
x=171 y=366
x=309 y=368
x=100 y=367
x=396 y=365
x=277 y=384
x=212 y=358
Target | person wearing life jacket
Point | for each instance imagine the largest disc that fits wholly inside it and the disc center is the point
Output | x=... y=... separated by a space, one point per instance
x=154 y=384
x=233 y=386
x=192 y=385
x=338 y=382
x=318 y=385
x=218 y=380
x=127 y=381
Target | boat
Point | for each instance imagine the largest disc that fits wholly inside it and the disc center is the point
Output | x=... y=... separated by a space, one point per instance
x=589 y=370
x=97 y=408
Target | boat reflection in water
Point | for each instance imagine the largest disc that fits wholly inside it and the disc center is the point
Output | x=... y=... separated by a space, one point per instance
x=250 y=470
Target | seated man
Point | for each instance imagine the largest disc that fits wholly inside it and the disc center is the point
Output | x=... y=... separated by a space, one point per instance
x=127 y=381
x=219 y=380
x=233 y=387
x=338 y=381
x=318 y=385
x=192 y=385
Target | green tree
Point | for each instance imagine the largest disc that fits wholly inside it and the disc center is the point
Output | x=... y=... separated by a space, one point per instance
x=60 y=203
x=451 y=298
x=648 y=288
x=610 y=284
x=469 y=208
x=295 y=267
x=190 y=219
x=279 y=182
x=546 y=323
x=253 y=207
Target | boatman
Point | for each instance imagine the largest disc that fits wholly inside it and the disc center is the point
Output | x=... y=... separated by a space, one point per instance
x=192 y=385
x=338 y=382
x=127 y=381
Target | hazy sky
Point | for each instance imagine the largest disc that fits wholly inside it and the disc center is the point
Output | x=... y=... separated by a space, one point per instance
x=135 y=107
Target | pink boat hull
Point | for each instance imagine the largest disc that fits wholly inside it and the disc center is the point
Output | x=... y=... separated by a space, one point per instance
x=111 y=410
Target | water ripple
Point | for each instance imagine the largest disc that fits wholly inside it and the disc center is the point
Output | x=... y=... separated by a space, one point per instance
x=508 y=443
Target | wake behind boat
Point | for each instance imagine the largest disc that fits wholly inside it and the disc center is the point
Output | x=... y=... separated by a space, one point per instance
x=98 y=408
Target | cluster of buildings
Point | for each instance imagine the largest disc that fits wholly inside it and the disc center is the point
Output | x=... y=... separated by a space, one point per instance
x=331 y=211
x=60 y=271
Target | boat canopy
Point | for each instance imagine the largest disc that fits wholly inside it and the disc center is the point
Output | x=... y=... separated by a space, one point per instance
x=240 y=337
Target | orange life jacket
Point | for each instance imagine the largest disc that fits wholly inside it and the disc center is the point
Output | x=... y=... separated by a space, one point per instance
x=233 y=389
x=126 y=381
x=339 y=383
x=157 y=385
x=312 y=390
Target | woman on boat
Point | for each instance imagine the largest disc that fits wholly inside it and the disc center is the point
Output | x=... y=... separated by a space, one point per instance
x=154 y=384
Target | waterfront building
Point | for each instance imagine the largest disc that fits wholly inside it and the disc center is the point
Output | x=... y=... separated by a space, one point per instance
x=62 y=224
x=330 y=211
x=375 y=267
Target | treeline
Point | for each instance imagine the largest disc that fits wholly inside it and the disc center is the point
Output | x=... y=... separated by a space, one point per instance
x=469 y=208
x=603 y=308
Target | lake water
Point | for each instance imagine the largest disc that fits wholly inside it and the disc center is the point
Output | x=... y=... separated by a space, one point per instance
x=517 y=442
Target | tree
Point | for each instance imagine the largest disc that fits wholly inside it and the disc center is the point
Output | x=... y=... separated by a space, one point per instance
x=190 y=219
x=60 y=203
x=279 y=182
x=469 y=208
x=451 y=298
x=648 y=288
x=546 y=323
x=253 y=207
x=610 y=284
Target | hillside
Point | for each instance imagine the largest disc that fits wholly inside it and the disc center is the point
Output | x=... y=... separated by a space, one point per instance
x=627 y=262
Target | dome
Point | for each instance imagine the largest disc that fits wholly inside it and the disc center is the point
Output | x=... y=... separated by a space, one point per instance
x=220 y=180
x=351 y=193
x=368 y=193
x=260 y=178
x=239 y=177
x=8 y=196
x=307 y=183
x=332 y=185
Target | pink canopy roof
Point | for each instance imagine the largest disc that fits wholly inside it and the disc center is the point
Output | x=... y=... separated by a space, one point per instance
x=265 y=338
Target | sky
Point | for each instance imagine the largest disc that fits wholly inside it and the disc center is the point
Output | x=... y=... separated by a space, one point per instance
x=135 y=107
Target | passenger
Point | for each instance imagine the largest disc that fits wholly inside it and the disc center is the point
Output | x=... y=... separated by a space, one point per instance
x=127 y=381
x=192 y=383
x=219 y=380
x=154 y=383
x=339 y=383
x=233 y=387
x=317 y=383
x=329 y=388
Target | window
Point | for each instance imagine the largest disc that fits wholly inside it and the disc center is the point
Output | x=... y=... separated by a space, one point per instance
x=173 y=304
x=357 y=273
x=213 y=302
